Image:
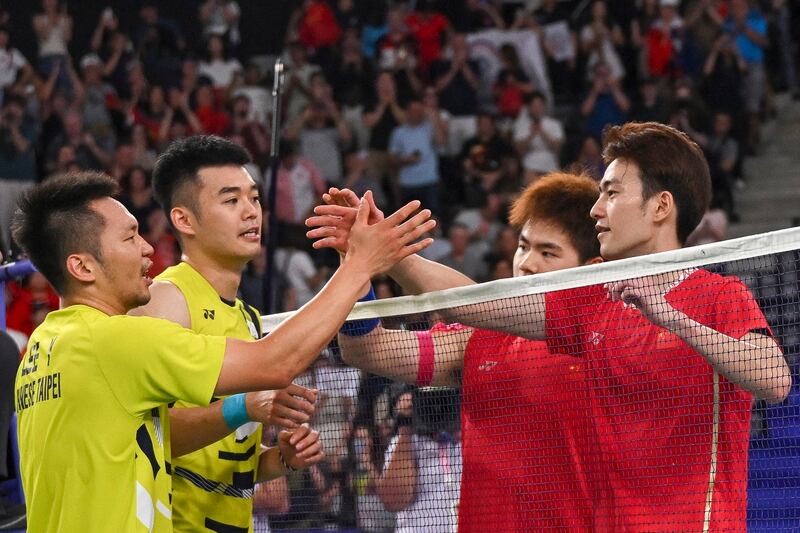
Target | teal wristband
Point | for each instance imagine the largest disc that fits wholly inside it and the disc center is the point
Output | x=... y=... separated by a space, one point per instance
x=234 y=411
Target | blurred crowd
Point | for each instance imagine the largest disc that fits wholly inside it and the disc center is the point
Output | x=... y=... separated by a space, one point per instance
x=457 y=104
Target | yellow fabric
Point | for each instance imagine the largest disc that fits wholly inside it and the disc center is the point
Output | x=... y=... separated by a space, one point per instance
x=91 y=395
x=215 y=485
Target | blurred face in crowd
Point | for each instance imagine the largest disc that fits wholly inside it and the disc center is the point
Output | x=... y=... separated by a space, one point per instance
x=120 y=275
x=204 y=96
x=722 y=124
x=599 y=10
x=227 y=225
x=215 y=46
x=739 y=9
x=536 y=108
x=485 y=126
x=3 y=39
x=459 y=238
x=543 y=246
x=415 y=113
x=73 y=124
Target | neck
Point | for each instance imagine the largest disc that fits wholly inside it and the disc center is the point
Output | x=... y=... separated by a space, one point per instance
x=224 y=276
x=92 y=300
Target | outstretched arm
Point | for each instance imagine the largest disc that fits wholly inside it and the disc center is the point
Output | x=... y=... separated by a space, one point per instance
x=754 y=362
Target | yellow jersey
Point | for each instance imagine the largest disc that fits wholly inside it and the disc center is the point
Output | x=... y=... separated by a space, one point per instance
x=91 y=395
x=213 y=486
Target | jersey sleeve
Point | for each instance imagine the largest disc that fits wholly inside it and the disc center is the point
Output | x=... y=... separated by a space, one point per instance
x=736 y=311
x=149 y=362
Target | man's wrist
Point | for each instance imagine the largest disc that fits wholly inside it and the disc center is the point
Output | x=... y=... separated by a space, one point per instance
x=234 y=411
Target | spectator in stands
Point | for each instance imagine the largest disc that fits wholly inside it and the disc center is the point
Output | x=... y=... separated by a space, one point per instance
x=357 y=179
x=606 y=104
x=382 y=117
x=348 y=16
x=299 y=187
x=137 y=196
x=412 y=148
x=462 y=256
x=477 y=16
x=396 y=34
x=352 y=81
x=322 y=132
x=298 y=80
x=457 y=81
x=704 y=19
x=143 y=153
x=488 y=162
x=213 y=119
x=114 y=49
x=221 y=18
x=250 y=85
x=722 y=153
x=429 y=28
x=89 y=153
x=13 y=64
x=748 y=29
x=538 y=138
x=151 y=112
x=32 y=292
x=512 y=85
x=723 y=73
x=18 y=135
x=97 y=100
x=219 y=68
x=650 y=107
x=254 y=135
x=421 y=474
x=159 y=44
x=53 y=33
x=553 y=17
x=317 y=28
x=601 y=38
x=590 y=158
x=663 y=41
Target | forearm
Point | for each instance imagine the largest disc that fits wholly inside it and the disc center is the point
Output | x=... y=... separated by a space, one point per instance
x=758 y=367
x=274 y=361
x=417 y=275
x=193 y=428
x=269 y=465
x=397 y=485
x=523 y=316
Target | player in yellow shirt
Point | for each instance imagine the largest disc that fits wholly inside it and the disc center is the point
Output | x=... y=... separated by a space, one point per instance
x=94 y=384
x=212 y=202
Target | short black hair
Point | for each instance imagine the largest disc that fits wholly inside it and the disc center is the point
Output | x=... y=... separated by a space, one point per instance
x=53 y=220
x=179 y=164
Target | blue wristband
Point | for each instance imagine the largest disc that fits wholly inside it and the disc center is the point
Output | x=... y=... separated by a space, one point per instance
x=234 y=411
x=357 y=328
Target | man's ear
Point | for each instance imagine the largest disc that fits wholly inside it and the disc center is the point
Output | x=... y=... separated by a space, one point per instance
x=663 y=206
x=593 y=261
x=183 y=220
x=82 y=267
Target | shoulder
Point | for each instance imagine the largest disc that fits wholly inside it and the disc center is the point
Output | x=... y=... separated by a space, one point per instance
x=167 y=301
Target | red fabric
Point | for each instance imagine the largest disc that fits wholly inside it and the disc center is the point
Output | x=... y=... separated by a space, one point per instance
x=318 y=27
x=653 y=403
x=303 y=171
x=214 y=122
x=19 y=309
x=529 y=448
x=509 y=100
x=428 y=34
x=659 y=53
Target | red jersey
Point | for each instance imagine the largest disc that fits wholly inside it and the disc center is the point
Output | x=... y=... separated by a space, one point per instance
x=673 y=433
x=428 y=34
x=527 y=439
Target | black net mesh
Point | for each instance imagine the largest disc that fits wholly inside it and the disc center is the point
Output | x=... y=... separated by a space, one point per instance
x=609 y=423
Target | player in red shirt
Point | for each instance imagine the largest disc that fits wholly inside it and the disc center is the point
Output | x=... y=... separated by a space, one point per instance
x=673 y=359
x=530 y=454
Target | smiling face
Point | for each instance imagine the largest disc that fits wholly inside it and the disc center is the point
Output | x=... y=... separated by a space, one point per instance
x=121 y=274
x=544 y=247
x=624 y=220
x=228 y=224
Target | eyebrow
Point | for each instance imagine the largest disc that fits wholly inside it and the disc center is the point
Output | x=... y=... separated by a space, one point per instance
x=540 y=245
x=605 y=184
x=234 y=189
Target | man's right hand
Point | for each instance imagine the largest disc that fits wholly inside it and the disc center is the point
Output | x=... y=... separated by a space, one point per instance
x=332 y=221
x=374 y=249
x=287 y=408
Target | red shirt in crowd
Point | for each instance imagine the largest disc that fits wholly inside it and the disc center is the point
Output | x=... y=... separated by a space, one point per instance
x=657 y=404
x=428 y=33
